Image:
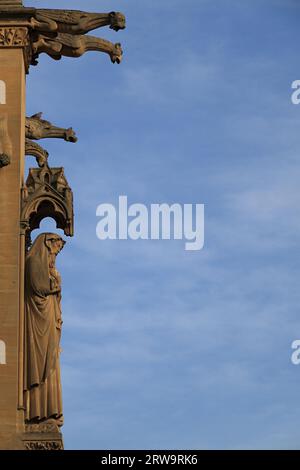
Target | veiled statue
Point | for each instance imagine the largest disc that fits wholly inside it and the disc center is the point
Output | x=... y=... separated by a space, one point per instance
x=43 y=325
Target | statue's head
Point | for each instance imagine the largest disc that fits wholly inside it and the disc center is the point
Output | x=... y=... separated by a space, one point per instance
x=54 y=243
x=116 y=54
x=117 y=21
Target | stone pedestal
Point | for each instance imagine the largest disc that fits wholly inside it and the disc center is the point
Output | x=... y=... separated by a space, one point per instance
x=42 y=437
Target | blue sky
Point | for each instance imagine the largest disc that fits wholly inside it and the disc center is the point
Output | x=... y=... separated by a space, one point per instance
x=164 y=348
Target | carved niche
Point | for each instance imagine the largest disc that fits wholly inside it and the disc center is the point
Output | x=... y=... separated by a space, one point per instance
x=47 y=194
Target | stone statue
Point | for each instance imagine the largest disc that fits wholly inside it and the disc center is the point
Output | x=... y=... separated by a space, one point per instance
x=35 y=150
x=37 y=128
x=74 y=46
x=5 y=142
x=43 y=324
x=74 y=21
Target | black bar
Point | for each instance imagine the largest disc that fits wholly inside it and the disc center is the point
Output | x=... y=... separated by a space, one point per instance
x=154 y=458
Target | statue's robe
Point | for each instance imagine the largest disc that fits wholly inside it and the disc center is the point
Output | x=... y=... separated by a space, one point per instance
x=42 y=384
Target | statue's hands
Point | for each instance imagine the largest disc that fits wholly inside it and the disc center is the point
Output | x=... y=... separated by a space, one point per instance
x=54 y=288
x=57 y=290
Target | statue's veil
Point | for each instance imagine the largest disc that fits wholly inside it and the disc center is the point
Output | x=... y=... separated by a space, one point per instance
x=37 y=266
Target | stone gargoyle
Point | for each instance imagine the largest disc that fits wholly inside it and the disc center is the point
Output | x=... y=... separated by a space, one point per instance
x=74 y=21
x=37 y=128
x=35 y=150
x=68 y=45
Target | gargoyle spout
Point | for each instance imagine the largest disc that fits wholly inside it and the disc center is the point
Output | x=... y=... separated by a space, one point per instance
x=75 y=22
x=59 y=133
x=68 y=45
x=38 y=128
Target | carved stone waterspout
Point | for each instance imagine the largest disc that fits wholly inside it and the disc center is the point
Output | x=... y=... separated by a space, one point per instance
x=74 y=21
x=38 y=128
x=75 y=46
